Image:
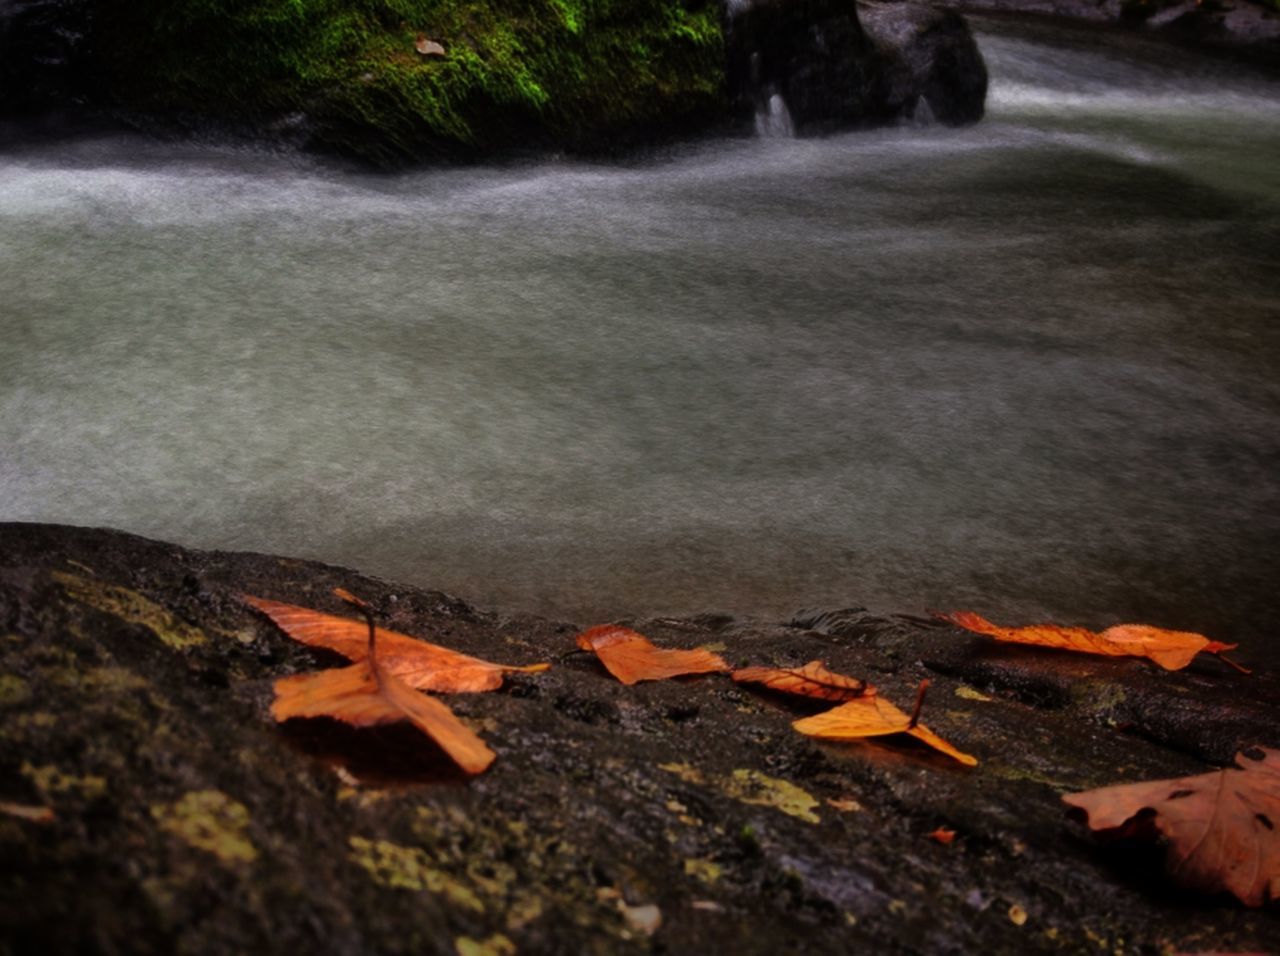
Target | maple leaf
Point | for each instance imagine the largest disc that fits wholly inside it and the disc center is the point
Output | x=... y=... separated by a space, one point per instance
x=632 y=657
x=366 y=694
x=811 y=680
x=419 y=664
x=1172 y=650
x=1223 y=827
x=874 y=716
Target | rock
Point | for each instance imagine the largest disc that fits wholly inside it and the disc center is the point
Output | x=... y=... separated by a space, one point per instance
x=930 y=56
x=1243 y=29
x=134 y=694
x=40 y=43
x=837 y=66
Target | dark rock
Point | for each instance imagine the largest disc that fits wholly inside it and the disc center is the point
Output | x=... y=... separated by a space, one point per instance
x=134 y=694
x=839 y=66
x=1242 y=29
x=40 y=44
x=930 y=55
x=812 y=53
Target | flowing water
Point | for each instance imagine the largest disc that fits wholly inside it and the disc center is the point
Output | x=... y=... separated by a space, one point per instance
x=1028 y=367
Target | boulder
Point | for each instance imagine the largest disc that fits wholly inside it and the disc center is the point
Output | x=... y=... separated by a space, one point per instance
x=149 y=803
x=836 y=65
x=931 y=58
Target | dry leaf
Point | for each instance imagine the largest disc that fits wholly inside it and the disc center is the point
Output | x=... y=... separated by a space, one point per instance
x=812 y=680
x=631 y=657
x=873 y=717
x=1223 y=827
x=942 y=835
x=419 y=664
x=1172 y=650
x=427 y=47
x=366 y=694
x=23 y=811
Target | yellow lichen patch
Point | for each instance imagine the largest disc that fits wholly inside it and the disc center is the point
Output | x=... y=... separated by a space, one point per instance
x=754 y=787
x=13 y=689
x=968 y=693
x=495 y=945
x=523 y=911
x=682 y=770
x=409 y=868
x=99 y=680
x=49 y=780
x=132 y=607
x=209 y=820
x=707 y=871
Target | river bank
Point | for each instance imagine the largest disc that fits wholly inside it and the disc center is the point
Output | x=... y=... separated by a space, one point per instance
x=671 y=816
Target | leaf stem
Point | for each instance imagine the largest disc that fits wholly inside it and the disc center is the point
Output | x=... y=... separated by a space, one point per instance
x=915 y=711
x=1226 y=660
x=367 y=612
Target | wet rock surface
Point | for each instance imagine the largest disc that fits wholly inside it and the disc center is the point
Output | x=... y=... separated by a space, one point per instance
x=676 y=816
x=1241 y=29
x=838 y=66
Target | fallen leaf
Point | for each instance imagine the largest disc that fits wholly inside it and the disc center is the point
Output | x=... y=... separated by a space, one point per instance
x=419 y=664
x=1223 y=827
x=872 y=717
x=632 y=657
x=1172 y=650
x=812 y=680
x=427 y=47
x=367 y=693
x=943 y=835
x=23 y=811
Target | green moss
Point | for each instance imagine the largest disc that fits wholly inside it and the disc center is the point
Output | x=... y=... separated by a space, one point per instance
x=209 y=820
x=132 y=607
x=568 y=73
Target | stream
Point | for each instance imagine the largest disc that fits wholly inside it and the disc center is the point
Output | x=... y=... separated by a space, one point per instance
x=1028 y=367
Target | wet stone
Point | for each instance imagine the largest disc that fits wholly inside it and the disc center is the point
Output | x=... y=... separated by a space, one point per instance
x=675 y=816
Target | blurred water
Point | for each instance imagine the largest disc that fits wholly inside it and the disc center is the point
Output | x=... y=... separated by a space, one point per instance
x=1029 y=367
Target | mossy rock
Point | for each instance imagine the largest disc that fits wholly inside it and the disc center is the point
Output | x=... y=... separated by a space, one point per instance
x=150 y=804
x=575 y=74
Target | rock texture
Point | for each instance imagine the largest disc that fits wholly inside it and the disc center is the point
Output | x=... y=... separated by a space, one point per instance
x=837 y=66
x=1243 y=29
x=148 y=803
x=931 y=58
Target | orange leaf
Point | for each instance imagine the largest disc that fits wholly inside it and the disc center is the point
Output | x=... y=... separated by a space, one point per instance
x=942 y=835
x=812 y=680
x=366 y=694
x=1223 y=827
x=874 y=717
x=419 y=664
x=631 y=657
x=1172 y=650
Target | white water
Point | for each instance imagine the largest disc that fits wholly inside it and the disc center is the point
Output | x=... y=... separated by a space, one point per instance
x=1029 y=366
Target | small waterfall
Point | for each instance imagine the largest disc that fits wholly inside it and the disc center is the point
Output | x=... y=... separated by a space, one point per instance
x=773 y=119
